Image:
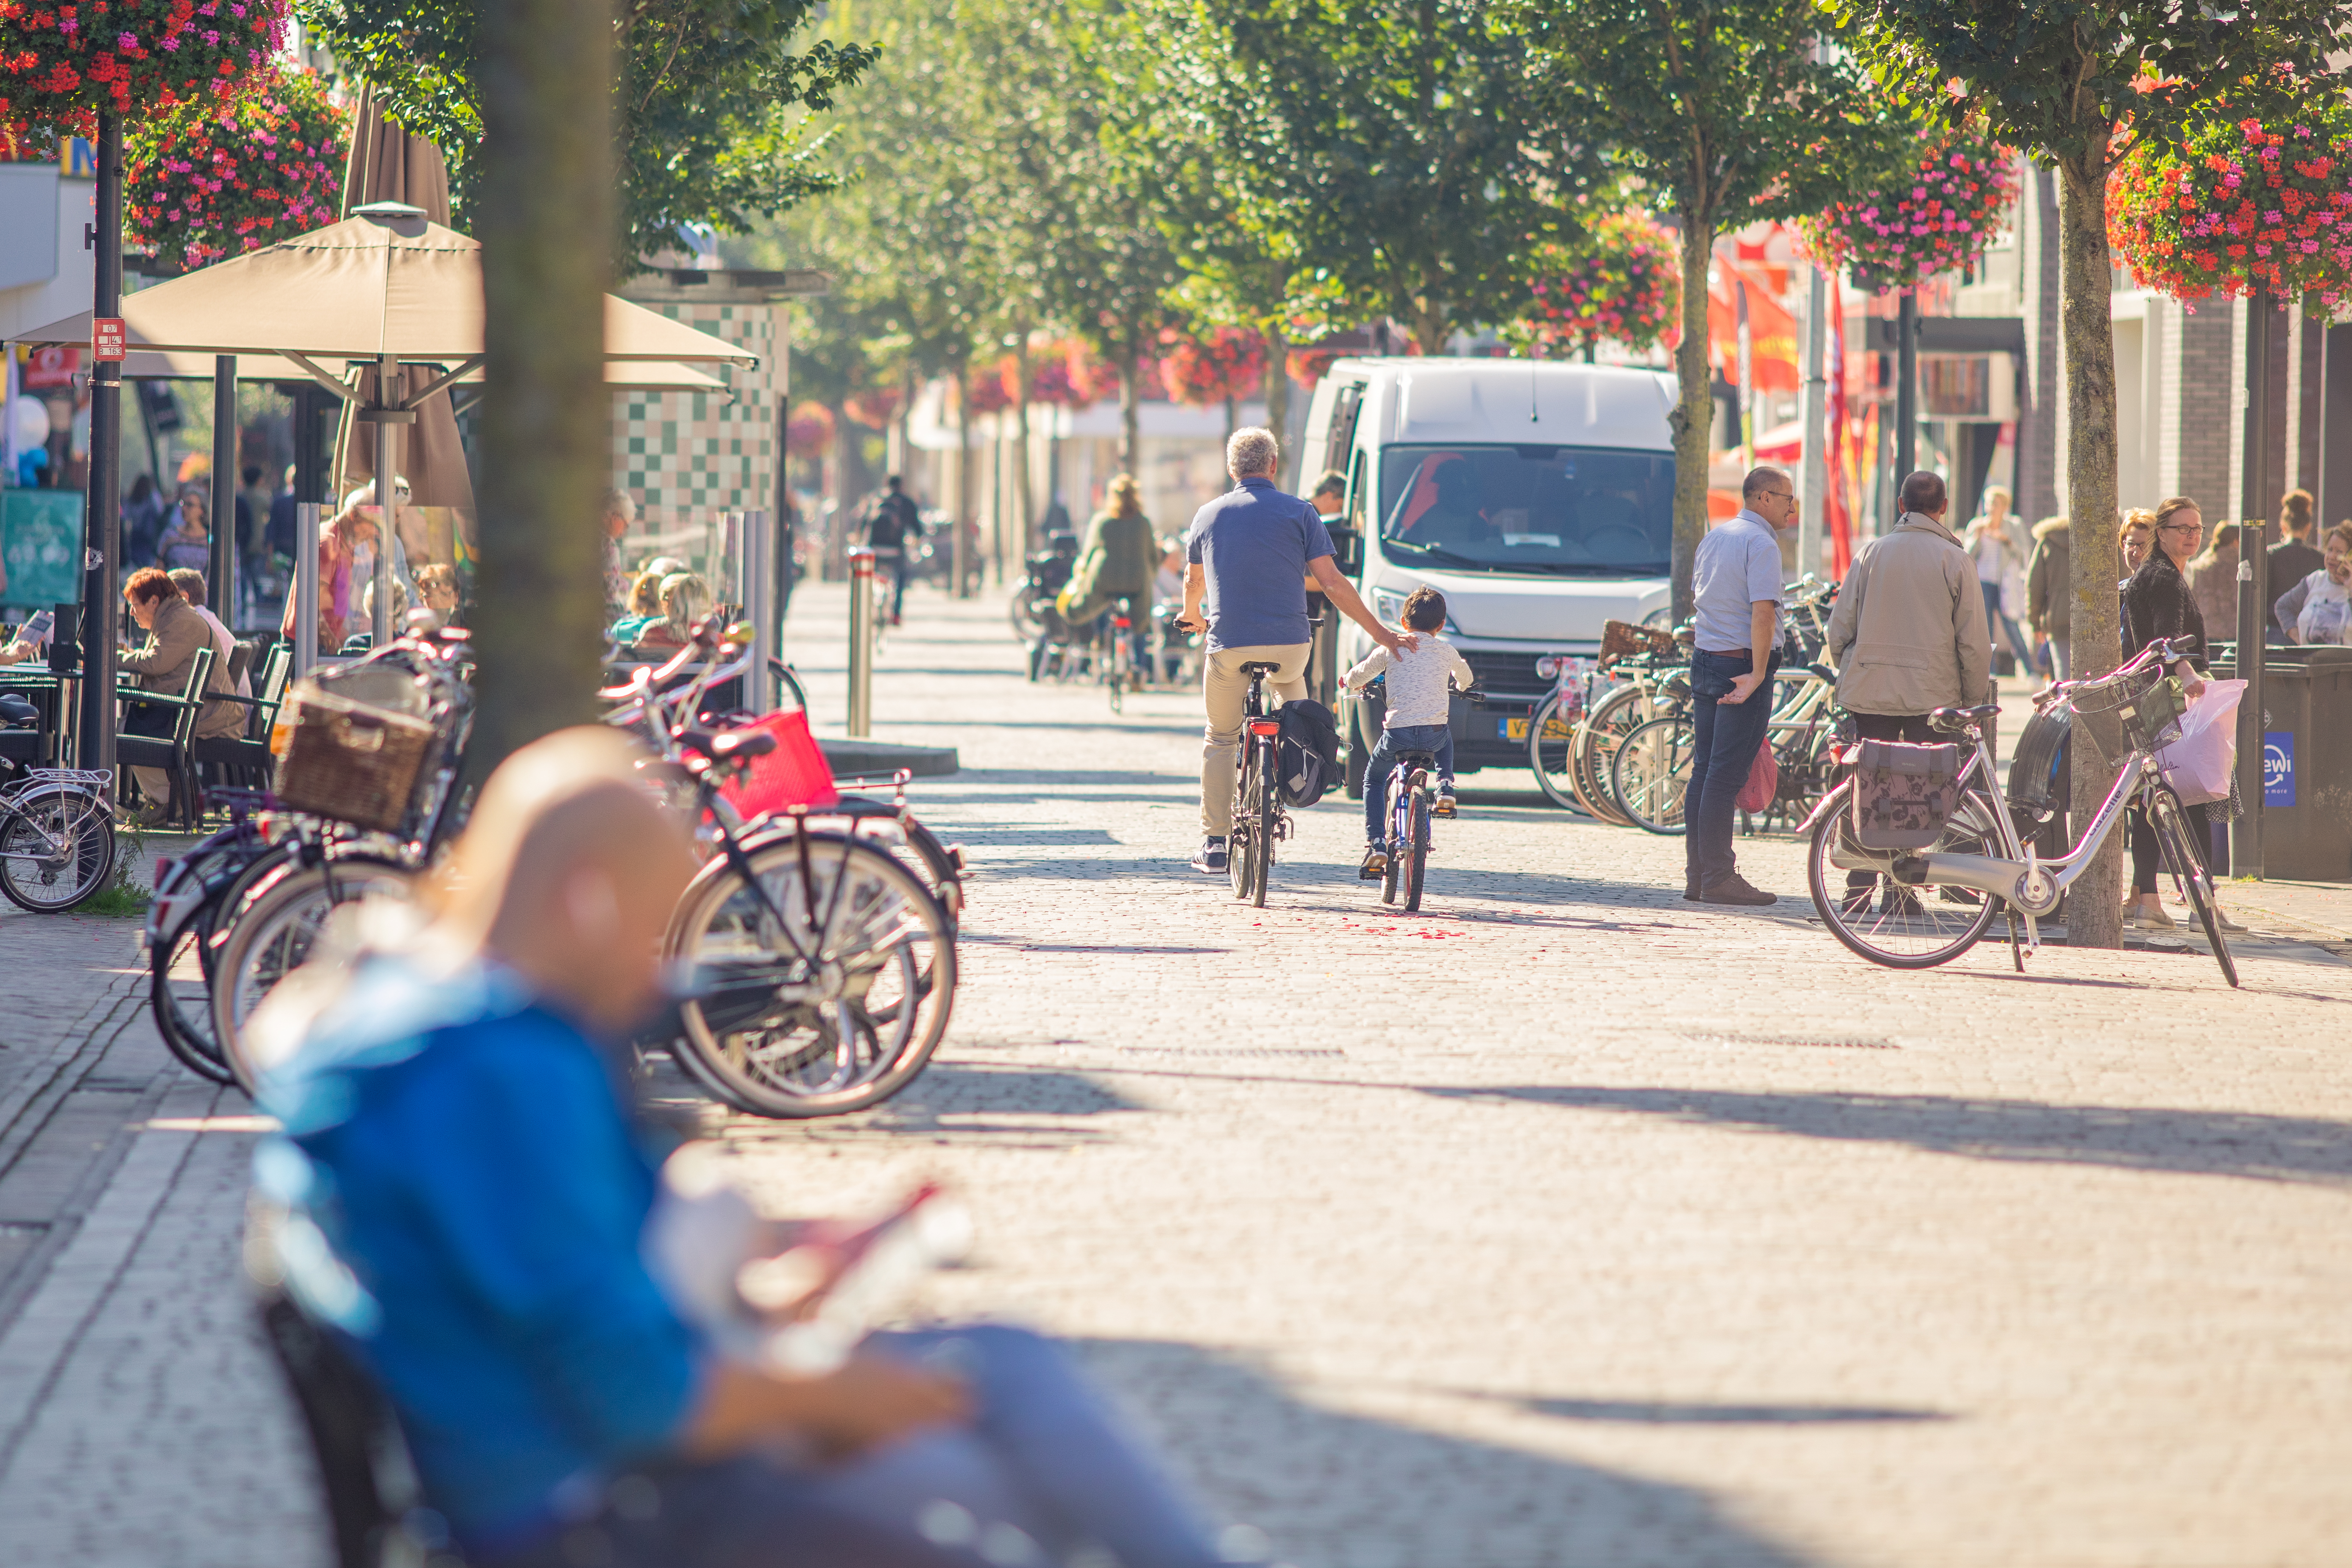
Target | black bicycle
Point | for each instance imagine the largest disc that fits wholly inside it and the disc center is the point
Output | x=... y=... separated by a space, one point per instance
x=1412 y=802
x=1258 y=818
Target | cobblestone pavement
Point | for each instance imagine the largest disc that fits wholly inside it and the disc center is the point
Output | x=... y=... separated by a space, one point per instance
x=1564 y=1223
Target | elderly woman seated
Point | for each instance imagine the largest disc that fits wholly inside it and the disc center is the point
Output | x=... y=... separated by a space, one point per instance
x=644 y=599
x=685 y=599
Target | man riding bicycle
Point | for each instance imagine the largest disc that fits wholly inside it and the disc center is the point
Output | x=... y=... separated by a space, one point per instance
x=891 y=531
x=1252 y=554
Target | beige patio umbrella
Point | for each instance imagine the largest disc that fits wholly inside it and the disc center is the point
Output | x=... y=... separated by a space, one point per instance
x=386 y=288
x=620 y=375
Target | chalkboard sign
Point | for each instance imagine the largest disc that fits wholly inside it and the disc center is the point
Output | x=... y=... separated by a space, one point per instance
x=40 y=544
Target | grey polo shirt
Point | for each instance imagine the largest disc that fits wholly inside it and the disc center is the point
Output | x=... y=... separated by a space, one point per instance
x=1738 y=562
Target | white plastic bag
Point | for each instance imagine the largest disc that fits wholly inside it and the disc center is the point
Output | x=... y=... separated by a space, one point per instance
x=2198 y=765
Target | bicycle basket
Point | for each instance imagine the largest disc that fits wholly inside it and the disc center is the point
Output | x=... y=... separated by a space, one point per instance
x=2123 y=714
x=352 y=761
x=2038 y=772
x=1619 y=638
x=794 y=773
x=1903 y=794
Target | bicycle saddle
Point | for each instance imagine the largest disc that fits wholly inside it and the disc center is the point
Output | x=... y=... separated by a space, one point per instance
x=1953 y=718
x=18 y=713
x=729 y=745
x=1255 y=667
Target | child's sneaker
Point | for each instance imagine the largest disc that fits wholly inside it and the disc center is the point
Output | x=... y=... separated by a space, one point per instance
x=1443 y=804
x=1376 y=863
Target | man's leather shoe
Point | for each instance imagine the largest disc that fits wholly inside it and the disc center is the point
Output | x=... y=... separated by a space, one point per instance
x=1734 y=890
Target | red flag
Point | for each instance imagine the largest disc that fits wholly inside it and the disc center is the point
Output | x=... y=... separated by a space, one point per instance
x=1772 y=330
x=1840 y=515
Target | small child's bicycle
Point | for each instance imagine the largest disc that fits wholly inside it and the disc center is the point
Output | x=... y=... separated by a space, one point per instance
x=1412 y=798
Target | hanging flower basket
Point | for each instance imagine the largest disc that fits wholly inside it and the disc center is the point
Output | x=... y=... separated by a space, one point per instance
x=2240 y=203
x=874 y=408
x=212 y=181
x=1225 y=363
x=1064 y=373
x=59 y=64
x=992 y=385
x=809 y=432
x=1621 y=283
x=1936 y=221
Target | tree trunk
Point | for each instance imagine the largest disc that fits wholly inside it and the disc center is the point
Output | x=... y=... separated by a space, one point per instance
x=1277 y=401
x=964 y=511
x=1024 y=481
x=2087 y=347
x=1130 y=410
x=1693 y=419
x=546 y=229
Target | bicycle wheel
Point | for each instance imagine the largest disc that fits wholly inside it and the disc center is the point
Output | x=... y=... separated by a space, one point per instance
x=57 y=848
x=1650 y=774
x=1024 y=623
x=1551 y=746
x=274 y=934
x=1241 y=840
x=1416 y=868
x=1903 y=925
x=1605 y=727
x=831 y=1009
x=179 y=995
x=2180 y=848
x=1269 y=815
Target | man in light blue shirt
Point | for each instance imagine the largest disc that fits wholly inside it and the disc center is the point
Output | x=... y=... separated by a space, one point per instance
x=1735 y=584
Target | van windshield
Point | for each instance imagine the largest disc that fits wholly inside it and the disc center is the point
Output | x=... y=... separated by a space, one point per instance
x=1573 y=510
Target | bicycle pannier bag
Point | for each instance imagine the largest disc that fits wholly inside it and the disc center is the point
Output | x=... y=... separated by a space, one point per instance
x=2038 y=774
x=1308 y=752
x=1903 y=793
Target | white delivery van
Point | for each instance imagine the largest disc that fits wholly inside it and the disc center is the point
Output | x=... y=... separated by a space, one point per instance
x=1538 y=497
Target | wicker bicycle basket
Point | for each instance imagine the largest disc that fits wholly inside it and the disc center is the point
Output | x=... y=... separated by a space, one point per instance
x=352 y=761
x=2129 y=712
x=1619 y=638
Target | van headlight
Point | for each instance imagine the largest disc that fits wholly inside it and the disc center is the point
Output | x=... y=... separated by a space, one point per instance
x=1388 y=606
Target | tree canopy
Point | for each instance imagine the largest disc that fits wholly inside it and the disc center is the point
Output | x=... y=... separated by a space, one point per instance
x=709 y=103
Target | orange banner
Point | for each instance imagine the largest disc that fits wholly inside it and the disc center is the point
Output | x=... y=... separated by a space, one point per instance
x=1772 y=330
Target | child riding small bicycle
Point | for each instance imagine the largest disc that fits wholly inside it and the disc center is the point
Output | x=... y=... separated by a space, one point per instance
x=1417 y=719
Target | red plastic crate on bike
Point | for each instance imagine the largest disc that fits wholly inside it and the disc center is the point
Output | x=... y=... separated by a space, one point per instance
x=794 y=773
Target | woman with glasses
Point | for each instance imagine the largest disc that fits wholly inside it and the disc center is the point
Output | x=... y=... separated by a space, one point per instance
x=2158 y=605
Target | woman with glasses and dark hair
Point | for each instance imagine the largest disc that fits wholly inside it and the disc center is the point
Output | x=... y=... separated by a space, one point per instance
x=2158 y=605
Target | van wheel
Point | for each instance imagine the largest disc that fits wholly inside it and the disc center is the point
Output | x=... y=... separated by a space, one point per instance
x=1358 y=754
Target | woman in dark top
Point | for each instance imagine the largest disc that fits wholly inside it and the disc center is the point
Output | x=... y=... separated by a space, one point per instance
x=2158 y=605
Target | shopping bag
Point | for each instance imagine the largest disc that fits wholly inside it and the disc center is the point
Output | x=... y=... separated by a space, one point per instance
x=1763 y=780
x=2199 y=763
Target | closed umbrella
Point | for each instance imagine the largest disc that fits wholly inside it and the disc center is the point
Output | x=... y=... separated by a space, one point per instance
x=385 y=289
x=390 y=164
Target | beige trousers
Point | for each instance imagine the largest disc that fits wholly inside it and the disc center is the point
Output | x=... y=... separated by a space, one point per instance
x=1225 y=691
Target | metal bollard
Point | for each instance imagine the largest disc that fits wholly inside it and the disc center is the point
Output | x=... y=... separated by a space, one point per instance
x=861 y=641
x=307 y=519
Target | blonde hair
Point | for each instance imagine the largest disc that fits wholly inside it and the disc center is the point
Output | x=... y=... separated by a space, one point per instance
x=644 y=594
x=684 y=598
x=1126 y=496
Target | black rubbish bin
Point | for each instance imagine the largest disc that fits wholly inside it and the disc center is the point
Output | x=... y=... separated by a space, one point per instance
x=2307 y=762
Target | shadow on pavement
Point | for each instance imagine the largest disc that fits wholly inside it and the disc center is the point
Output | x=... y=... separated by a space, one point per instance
x=2188 y=1142
x=949 y=1103
x=1669 y=1413
x=1334 y=1488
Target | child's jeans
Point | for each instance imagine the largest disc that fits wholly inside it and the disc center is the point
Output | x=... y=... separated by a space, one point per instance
x=1438 y=738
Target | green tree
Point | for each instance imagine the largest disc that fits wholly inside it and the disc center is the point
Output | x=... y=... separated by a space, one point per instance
x=2077 y=85
x=1728 y=114
x=709 y=103
x=1401 y=150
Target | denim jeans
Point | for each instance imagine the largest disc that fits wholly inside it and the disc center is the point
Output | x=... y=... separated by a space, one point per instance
x=1724 y=743
x=1044 y=1458
x=1436 y=738
x=1997 y=623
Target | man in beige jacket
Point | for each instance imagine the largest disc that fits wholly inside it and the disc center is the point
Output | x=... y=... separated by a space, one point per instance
x=1909 y=633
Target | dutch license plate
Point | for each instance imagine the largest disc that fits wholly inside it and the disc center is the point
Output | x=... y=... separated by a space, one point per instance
x=1517 y=729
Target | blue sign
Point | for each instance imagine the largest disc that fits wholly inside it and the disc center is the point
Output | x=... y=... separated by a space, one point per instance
x=2278 y=767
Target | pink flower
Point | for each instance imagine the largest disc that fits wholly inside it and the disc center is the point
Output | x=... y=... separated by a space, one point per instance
x=127 y=41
